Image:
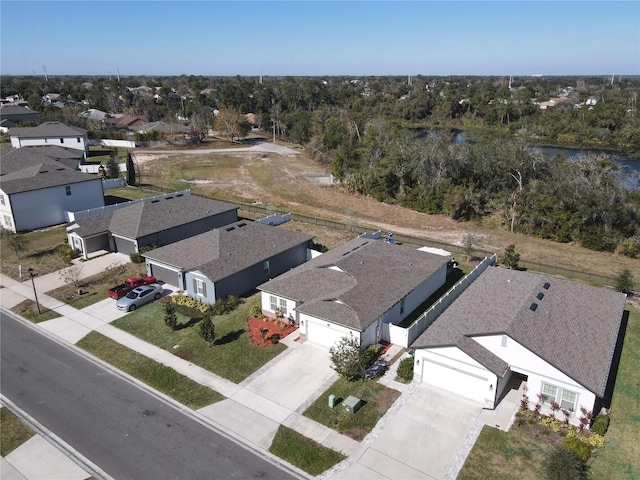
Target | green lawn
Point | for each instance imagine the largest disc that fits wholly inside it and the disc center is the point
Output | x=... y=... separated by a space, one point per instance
x=303 y=452
x=29 y=310
x=232 y=355
x=377 y=400
x=13 y=432
x=39 y=253
x=517 y=454
x=159 y=377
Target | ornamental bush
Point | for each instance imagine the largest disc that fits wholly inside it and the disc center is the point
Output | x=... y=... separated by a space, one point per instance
x=579 y=448
x=405 y=369
x=600 y=424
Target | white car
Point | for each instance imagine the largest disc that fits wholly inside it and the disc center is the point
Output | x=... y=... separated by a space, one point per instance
x=139 y=296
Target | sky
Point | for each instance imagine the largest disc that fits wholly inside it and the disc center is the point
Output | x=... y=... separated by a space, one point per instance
x=320 y=38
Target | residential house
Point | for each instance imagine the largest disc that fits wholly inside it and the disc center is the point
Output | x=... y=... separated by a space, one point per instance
x=128 y=121
x=38 y=185
x=15 y=114
x=230 y=260
x=559 y=336
x=355 y=290
x=50 y=133
x=156 y=221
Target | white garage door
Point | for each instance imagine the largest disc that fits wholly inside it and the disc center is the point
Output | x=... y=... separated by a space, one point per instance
x=322 y=335
x=455 y=381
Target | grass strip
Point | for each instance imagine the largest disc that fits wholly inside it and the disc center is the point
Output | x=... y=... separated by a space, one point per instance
x=303 y=452
x=28 y=309
x=157 y=376
x=13 y=432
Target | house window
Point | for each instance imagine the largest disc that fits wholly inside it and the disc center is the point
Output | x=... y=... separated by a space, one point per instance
x=2 y=199
x=273 y=303
x=401 y=306
x=266 y=267
x=199 y=287
x=283 y=306
x=568 y=400
x=67 y=189
x=7 y=221
x=550 y=392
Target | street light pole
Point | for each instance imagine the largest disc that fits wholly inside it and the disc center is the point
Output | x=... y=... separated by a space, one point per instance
x=35 y=294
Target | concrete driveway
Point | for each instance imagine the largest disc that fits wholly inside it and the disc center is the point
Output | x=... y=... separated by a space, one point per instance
x=421 y=441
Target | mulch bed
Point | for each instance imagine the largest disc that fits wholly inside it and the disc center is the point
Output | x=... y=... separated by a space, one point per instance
x=274 y=327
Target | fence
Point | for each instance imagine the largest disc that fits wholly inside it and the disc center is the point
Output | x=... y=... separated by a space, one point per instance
x=406 y=336
x=576 y=275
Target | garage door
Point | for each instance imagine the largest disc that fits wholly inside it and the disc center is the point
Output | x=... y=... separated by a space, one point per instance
x=455 y=381
x=322 y=335
x=124 y=246
x=166 y=275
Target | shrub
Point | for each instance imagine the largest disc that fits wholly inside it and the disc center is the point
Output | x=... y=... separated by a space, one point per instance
x=275 y=338
x=136 y=257
x=370 y=354
x=347 y=359
x=600 y=424
x=405 y=369
x=66 y=253
x=189 y=306
x=562 y=464
x=624 y=281
x=579 y=448
x=170 y=318
x=225 y=305
x=255 y=311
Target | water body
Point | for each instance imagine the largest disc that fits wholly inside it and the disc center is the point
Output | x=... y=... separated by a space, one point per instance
x=629 y=167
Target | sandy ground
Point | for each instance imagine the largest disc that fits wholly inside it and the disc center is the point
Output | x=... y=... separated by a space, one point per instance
x=287 y=179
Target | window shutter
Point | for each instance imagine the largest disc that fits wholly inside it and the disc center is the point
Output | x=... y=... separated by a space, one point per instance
x=195 y=286
x=204 y=288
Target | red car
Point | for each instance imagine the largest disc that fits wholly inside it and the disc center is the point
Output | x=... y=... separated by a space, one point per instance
x=129 y=284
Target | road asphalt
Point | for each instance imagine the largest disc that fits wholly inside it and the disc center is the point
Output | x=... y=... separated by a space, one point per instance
x=426 y=434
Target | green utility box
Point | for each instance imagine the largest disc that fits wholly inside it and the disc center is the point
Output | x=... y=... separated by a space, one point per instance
x=352 y=404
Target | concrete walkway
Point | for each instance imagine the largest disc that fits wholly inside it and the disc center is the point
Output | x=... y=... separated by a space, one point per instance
x=426 y=433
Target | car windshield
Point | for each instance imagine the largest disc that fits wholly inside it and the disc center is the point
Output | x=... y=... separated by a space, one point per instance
x=132 y=295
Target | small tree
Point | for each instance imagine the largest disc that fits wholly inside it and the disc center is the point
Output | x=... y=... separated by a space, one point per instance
x=347 y=358
x=72 y=275
x=19 y=242
x=511 y=258
x=170 y=317
x=470 y=243
x=113 y=169
x=624 y=281
x=207 y=330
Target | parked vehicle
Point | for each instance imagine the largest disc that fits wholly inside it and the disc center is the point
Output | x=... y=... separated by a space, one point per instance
x=129 y=284
x=139 y=296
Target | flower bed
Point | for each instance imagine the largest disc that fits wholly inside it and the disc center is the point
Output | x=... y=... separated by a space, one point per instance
x=267 y=331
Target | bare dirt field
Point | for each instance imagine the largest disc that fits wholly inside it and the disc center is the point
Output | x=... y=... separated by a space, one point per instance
x=295 y=183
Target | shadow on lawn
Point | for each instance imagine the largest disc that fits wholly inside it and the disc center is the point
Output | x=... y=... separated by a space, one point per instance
x=229 y=337
x=190 y=323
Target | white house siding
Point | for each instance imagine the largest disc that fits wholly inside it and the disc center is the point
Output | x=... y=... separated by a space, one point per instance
x=6 y=214
x=453 y=370
x=537 y=370
x=412 y=301
x=78 y=142
x=47 y=206
x=286 y=305
x=209 y=295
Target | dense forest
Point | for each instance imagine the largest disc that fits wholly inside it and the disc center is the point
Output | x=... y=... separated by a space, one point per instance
x=391 y=138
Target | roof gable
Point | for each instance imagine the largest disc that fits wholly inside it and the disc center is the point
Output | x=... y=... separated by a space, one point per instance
x=48 y=129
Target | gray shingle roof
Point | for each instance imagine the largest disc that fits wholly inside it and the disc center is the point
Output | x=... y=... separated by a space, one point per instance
x=33 y=168
x=227 y=250
x=573 y=327
x=48 y=129
x=154 y=215
x=355 y=283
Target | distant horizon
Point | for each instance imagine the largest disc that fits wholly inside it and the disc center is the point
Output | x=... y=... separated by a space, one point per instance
x=320 y=38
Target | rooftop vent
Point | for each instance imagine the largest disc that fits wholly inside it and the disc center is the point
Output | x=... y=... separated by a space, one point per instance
x=533 y=307
x=241 y=224
x=155 y=201
x=230 y=228
x=546 y=285
x=168 y=197
x=180 y=195
x=540 y=295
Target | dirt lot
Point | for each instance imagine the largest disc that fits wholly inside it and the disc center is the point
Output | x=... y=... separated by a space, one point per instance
x=296 y=183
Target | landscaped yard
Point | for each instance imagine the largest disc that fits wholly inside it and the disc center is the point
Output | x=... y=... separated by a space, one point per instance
x=376 y=399
x=95 y=288
x=518 y=454
x=232 y=355
x=39 y=253
x=159 y=377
